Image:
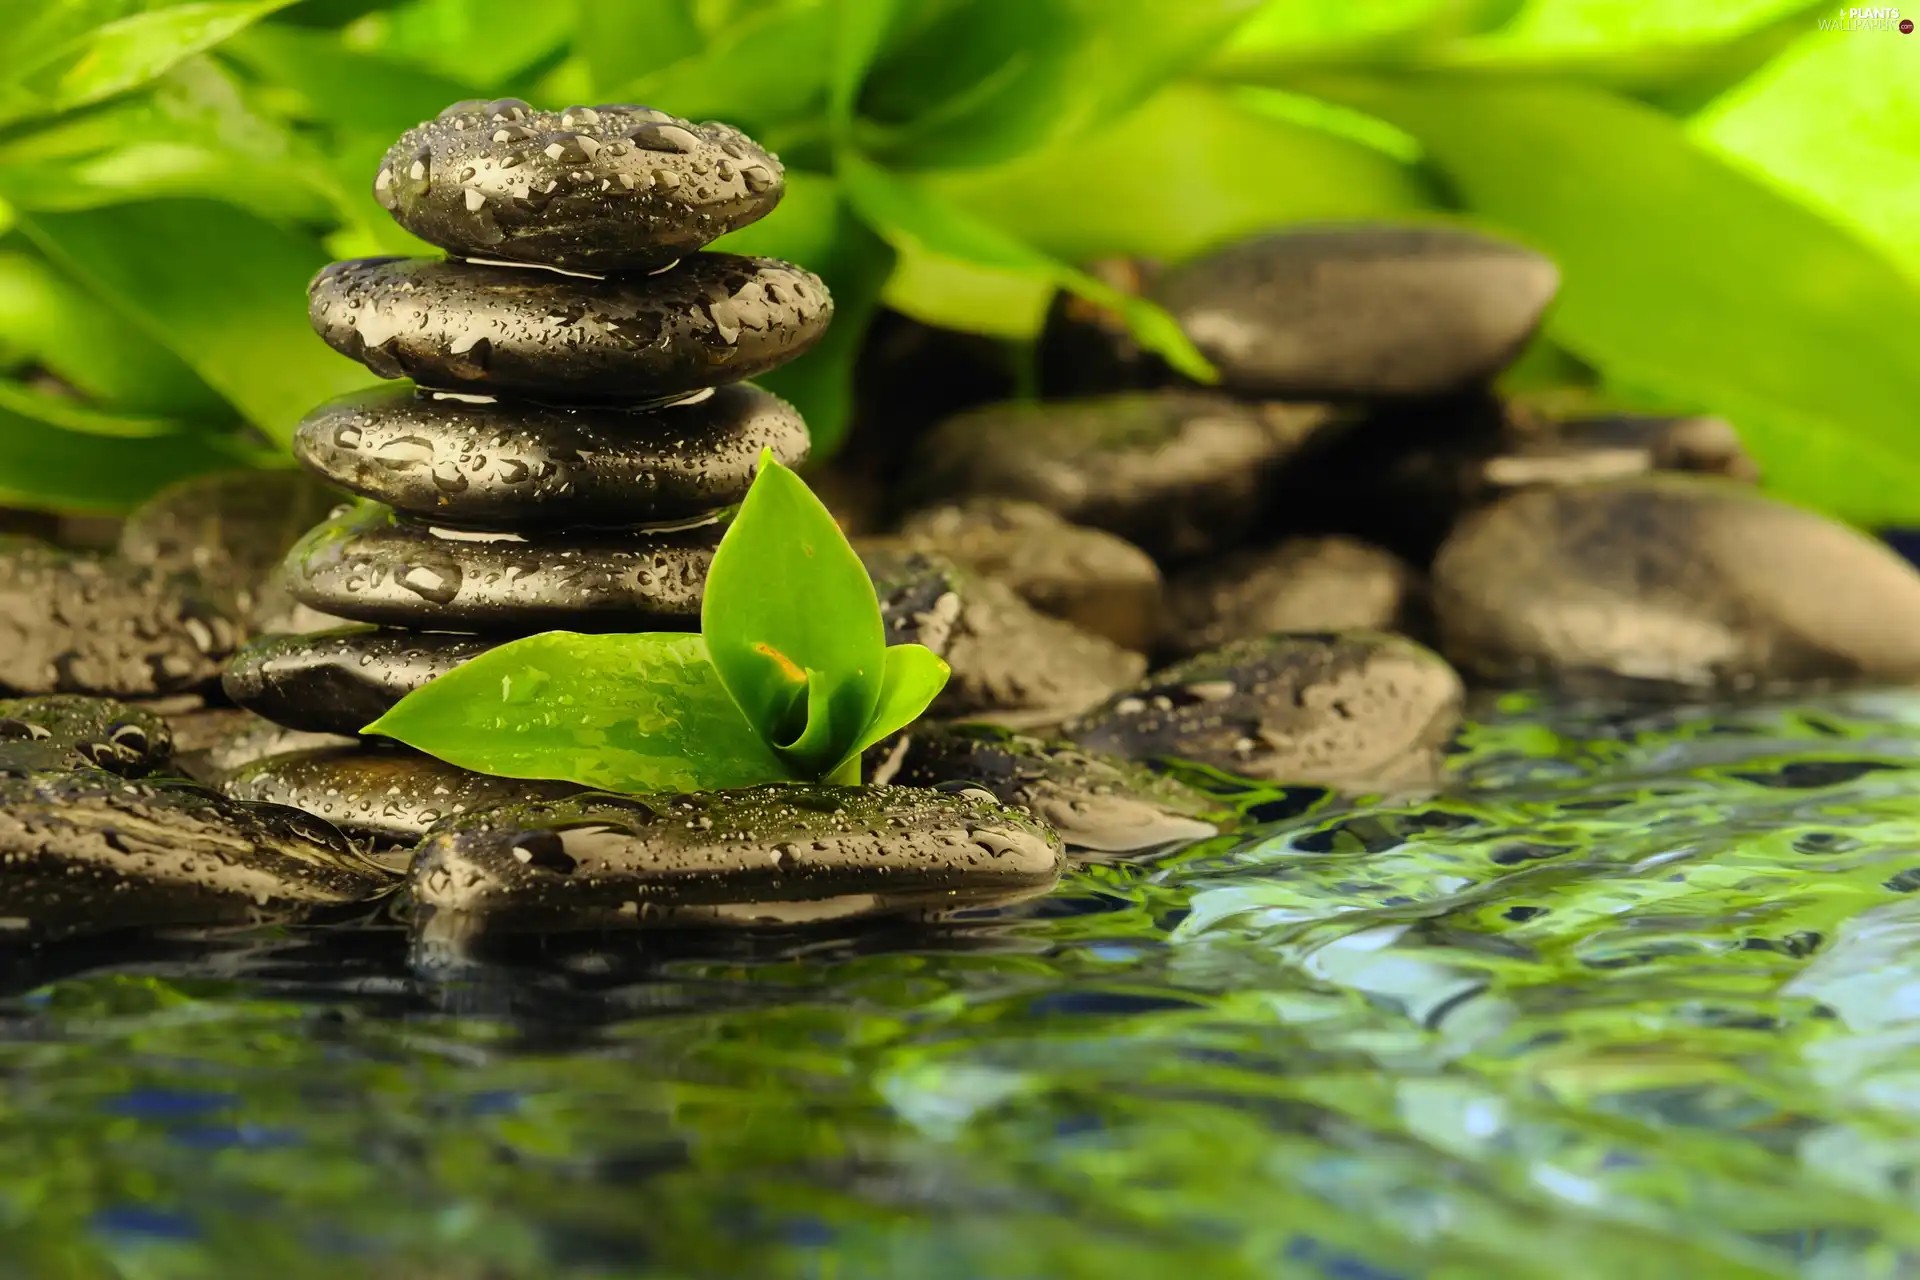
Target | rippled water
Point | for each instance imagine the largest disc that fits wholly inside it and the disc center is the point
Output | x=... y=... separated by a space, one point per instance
x=1639 y=998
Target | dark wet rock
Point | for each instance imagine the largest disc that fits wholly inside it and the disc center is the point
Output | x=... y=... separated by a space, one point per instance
x=1360 y=311
x=909 y=376
x=599 y=189
x=371 y=566
x=1304 y=584
x=1086 y=349
x=1583 y=450
x=239 y=738
x=1671 y=583
x=1358 y=710
x=342 y=680
x=227 y=531
x=455 y=326
x=387 y=793
x=64 y=731
x=1017 y=666
x=1179 y=473
x=277 y=613
x=521 y=466
x=1091 y=578
x=1094 y=801
x=73 y=622
x=919 y=593
x=87 y=852
x=771 y=855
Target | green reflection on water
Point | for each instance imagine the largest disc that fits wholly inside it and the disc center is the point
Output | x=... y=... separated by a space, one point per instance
x=1639 y=997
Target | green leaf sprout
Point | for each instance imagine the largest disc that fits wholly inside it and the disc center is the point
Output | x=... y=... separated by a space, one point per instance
x=790 y=679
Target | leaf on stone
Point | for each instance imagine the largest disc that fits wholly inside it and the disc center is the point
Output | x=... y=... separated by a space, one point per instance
x=915 y=675
x=1688 y=278
x=639 y=713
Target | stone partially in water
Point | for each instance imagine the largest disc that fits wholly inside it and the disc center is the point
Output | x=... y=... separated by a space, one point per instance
x=522 y=466
x=1668 y=584
x=1089 y=577
x=1304 y=584
x=340 y=681
x=1355 y=710
x=1360 y=311
x=77 y=623
x=454 y=326
x=599 y=189
x=769 y=855
x=86 y=852
x=64 y=731
x=387 y=793
x=371 y=566
x=228 y=532
x=1094 y=801
x=1180 y=473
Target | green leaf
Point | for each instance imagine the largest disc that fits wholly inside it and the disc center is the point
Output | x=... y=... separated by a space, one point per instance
x=46 y=468
x=1690 y=279
x=765 y=73
x=620 y=712
x=319 y=81
x=792 y=622
x=170 y=267
x=858 y=36
x=623 y=39
x=914 y=677
x=903 y=208
x=486 y=41
x=1379 y=30
x=68 y=414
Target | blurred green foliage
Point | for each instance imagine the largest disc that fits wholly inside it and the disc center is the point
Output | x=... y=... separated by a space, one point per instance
x=1724 y=183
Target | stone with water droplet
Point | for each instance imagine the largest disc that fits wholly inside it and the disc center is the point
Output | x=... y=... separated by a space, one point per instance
x=1303 y=584
x=65 y=731
x=341 y=681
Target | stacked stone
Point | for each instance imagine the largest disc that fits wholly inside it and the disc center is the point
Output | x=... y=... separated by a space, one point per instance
x=576 y=427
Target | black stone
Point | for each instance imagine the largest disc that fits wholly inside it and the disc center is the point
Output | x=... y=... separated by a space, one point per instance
x=64 y=731
x=386 y=793
x=919 y=593
x=1358 y=710
x=454 y=326
x=1303 y=584
x=1360 y=311
x=371 y=566
x=72 y=622
x=1180 y=473
x=1086 y=349
x=599 y=189
x=521 y=466
x=771 y=855
x=240 y=738
x=1094 y=801
x=86 y=852
x=341 y=681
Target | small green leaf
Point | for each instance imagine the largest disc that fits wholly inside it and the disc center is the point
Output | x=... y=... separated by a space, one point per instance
x=792 y=623
x=622 y=712
x=915 y=676
x=46 y=468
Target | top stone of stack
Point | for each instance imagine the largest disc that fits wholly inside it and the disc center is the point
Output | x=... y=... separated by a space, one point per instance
x=590 y=189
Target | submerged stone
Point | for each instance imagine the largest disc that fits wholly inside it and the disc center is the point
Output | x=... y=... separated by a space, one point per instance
x=1179 y=473
x=371 y=566
x=769 y=855
x=385 y=792
x=600 y=189
x=1304 y=584
x=1094 y=801
x=72 y=622
x=342 y=680
x=1671 y=583
x=523 y=466
x=1356 y=710
x=64 y=731
x=1360 y=311
x=1089 y=577
x=455 y=326
x=86 y=852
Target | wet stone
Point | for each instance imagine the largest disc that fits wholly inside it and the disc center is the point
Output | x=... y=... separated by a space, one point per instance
x=1357 y=710
x=87 y=852
x=370 y=566
x=228 y=532
x=240 y=738
x=1360 y=311
x=919 y=592
x=1089 y=577
x=768 y=856
x=81 y=623
x=1668 y=584
x=1181 y=474
x=1094 y=801
x=65 y=731
x=1303 y=584
x=455 y=326
x=1583 y=450
x=522 y=466
x=342 y=680
x=385 y=793
x=1015 y=665
x=597 y=189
